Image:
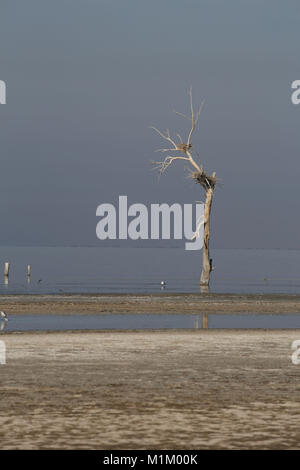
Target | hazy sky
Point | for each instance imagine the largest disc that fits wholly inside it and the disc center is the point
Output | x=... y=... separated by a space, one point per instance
x=85 y=80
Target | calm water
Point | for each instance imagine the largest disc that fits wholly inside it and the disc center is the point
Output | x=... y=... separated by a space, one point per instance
x=134 y=270
x=144 y=322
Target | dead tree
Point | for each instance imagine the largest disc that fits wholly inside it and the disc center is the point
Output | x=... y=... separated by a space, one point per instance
x=208 y=182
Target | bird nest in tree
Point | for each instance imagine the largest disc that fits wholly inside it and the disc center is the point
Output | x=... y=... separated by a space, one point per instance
x=183 y=147
x=206 y=181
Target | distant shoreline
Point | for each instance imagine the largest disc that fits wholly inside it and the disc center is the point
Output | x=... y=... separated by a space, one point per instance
x=67 y=304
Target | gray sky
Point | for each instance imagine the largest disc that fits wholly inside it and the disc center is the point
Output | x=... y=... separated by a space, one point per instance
x=85 y=79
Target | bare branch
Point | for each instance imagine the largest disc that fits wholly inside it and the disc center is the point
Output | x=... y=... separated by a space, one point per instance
x=162 y=166
x=181 y=146
x=194 y=118
x=192 y=161
x=183 y=115
x=165 y=150
x=165 y=136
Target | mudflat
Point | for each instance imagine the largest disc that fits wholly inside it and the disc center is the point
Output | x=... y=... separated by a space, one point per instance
x=150 y=303
x=193 y=389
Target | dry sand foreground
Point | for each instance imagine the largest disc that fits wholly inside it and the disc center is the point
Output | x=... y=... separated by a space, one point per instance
x=197 y=389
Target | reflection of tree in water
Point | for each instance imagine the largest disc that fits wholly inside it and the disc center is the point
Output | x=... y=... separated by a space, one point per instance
x=205 y=320
x=204 y=323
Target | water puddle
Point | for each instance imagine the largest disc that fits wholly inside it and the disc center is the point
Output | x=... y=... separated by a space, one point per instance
x=150 y=321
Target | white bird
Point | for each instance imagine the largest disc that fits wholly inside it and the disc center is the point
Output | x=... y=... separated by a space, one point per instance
x=163 y=283
x=3 y=320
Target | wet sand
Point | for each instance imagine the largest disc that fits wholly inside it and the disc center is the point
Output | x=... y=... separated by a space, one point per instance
x=199 y=389
x=154 y=303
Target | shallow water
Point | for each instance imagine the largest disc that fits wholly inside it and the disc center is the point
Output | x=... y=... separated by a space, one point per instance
x=149 y=321
x=140 y=270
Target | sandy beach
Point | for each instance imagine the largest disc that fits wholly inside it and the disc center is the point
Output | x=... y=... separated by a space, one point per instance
x=199 y=389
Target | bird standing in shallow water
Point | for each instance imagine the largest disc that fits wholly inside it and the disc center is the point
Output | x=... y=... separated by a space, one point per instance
x=3 y=320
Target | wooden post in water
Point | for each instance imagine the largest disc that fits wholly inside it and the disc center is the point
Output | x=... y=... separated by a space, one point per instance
x=6 y=273
x=6 y=269
x=28 y=272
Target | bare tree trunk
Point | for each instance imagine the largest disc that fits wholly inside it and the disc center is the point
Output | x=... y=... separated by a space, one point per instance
x=206 y=263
